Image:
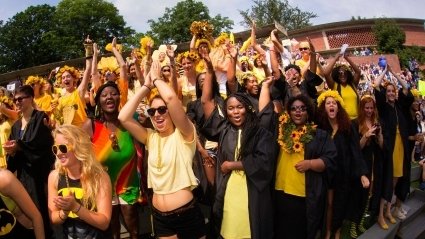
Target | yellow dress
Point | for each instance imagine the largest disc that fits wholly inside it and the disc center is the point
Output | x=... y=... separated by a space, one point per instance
x=188 y=91
x=5 y=130
x=235 y=223
x=288 y=179
x=398 y=156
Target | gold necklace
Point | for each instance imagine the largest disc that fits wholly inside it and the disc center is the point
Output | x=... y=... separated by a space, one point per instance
x=159 y=161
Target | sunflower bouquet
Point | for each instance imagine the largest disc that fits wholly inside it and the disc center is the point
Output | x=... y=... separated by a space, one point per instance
x=201 y=29
x=292 y=139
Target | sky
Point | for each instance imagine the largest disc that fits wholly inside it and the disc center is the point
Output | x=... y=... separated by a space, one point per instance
x=137 y=12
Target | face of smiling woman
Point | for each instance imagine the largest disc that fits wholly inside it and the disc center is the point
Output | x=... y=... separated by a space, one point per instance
x=236 y=112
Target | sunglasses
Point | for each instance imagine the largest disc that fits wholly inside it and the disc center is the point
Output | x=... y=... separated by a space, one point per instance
x=161 y=110
x=304 y=48
x=63 y=148
x=301 y=108
x=19 y=99
x=166 y=70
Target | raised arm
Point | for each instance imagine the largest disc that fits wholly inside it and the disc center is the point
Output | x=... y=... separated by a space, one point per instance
x=173 y=70
x=254 y=44
x=274 y=62
x=139 y=73
x=231 y=70
x=120 y=60
x=82 y=87
x=327 y=71
x=174 y=105
x=275 y=41
x=400 y=80
x=313 y=60
x=193 y=44
x=126 y=114
x=265 y=93
x=378 y=80
x=207 y=98
x=95 y=76
x=357 y=71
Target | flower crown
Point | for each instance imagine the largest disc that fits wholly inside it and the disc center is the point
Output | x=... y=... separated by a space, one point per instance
x=34 y=80
x=7 y=101
x=201 y=29
x=330 y=93
x=193 y=56
x=221 y=39
x=367 y=96
x=415 y=93
x=201 y=41
x=108 y=64
x=74 y=72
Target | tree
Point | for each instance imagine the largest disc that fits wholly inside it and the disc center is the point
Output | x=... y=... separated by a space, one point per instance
x=23 y=41
x=173 y=26
x=265 y=12
x=411 y=52
x=75 y=19
x=389 y=36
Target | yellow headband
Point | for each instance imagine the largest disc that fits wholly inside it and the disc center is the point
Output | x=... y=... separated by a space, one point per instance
x=330 y=93
x=193 y=56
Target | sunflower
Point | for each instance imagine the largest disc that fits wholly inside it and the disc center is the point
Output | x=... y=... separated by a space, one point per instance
x=298 y=147
x=292 y=139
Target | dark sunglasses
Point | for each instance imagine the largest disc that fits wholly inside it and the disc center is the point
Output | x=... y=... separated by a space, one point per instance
x=304 y=48
x=19 y=99
x=301 y=108
x=166 y=70
x=63 y=148
x=161 y=110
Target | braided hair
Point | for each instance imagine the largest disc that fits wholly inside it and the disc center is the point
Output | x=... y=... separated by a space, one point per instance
x=249 y=127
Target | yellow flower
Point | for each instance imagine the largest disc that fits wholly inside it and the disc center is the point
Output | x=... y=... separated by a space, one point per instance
x=283 y=118
x=298 y=147
x=330 y=93
x=295 y=135
x=304 y=129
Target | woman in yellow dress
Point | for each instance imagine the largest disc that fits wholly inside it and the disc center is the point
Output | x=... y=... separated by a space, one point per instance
x=186 y=84
x=43 y=101
x=8 y=116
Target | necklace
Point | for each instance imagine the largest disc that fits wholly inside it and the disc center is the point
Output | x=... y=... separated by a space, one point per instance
x=112 y=137
x=159 y=161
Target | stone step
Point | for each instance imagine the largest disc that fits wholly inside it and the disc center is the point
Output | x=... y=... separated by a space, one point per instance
x=415 y=207
x=414 y=229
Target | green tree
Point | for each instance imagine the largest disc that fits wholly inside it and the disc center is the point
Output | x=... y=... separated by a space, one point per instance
x=173 y=26
x=389 y=36
x=23 y=41
x=410 y=52
x=75 y=19
x=264 y=12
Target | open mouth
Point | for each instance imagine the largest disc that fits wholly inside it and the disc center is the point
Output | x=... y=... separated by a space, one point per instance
x=110 y=103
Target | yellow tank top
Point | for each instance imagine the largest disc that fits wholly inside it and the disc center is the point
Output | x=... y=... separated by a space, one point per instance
x=43 y=102
x=350 y=100
x=188 y=91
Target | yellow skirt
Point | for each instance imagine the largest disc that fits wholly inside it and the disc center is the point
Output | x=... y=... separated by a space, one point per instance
x=398 y=156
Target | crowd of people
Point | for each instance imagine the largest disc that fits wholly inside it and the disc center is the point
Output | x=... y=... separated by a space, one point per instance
x=263 y=140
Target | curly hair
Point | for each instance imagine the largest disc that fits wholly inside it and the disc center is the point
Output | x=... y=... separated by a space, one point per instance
x=91 y=169
x=342 y=118
x=307 y=102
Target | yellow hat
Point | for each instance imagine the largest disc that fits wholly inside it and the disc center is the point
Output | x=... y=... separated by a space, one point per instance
x=304 y=44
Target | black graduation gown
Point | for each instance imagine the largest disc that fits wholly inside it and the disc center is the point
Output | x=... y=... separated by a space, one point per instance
x=321 y=147
x=350 y=166
x=388 y=115
x=258 y=166
x=372 y=155
x=34 y=161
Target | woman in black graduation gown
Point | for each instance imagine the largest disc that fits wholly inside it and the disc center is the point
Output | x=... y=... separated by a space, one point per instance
x=332 y=117
x=243 y=205
x=300 y=187
x=393 y=109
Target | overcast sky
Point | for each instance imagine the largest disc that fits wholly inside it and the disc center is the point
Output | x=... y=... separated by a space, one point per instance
x=137 y=12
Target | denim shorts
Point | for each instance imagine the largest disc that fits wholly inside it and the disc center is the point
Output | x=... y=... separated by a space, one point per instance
x=186 y=222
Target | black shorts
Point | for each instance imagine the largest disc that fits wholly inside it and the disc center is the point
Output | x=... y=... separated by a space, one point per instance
x=186 y=222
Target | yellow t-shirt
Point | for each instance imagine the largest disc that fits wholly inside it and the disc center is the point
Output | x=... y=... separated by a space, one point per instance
x=170 y=162
x=72 y=109
x=43 y=102
x=288 y=178
x=350 y=100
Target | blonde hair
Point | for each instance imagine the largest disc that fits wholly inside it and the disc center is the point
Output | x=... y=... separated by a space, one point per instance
x=91 y=169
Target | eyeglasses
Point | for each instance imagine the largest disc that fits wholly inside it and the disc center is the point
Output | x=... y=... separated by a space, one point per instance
x=19 y=99
x=304 y=48
x=63 y=148
x=301 y=108
x=166 y=70
x=161 y=110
